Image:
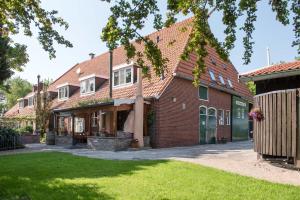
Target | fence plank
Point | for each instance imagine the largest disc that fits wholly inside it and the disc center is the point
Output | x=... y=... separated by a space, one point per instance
x=274 y=133
x=283 y=125
x=264 y=125
x=271 y=123
x=294 y=122
x=267 y=125
x=279 y=151
x=261 y=126
x=289 y=123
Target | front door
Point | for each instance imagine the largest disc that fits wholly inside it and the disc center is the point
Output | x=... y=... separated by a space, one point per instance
x=202 y=121
x=211 y=126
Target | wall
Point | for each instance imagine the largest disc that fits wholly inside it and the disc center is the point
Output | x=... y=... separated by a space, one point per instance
x=179 y=126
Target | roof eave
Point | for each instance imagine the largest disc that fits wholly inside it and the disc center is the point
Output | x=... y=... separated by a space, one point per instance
x=270 y=76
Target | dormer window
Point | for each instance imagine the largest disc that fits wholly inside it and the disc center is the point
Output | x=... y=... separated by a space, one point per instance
x=221 y=79
x=21 y=103
x=123 y=77
x=31 y=101
x=63 y=92
x=87 y=86
x=212 y=75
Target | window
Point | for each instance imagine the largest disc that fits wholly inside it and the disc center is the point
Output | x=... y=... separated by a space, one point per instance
x=221 y=79
x=123 y=77
x=221 y=117
x=87 y=86
x=238 y=113
x=212 y=75
x=63 y=92
x=203 y=92
x=94 y=119
x=228 y=117
x=224 y=66
x=21 y=103
x=242 y=113
x=31 y=101
x=79 y=125
x=211 y=112
x=202 y=110
x=229 y=83
x=213 y=61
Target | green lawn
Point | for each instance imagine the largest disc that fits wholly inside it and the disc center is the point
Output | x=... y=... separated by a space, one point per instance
x=63 y=176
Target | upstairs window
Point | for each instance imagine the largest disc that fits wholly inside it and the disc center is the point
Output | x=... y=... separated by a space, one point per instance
x=203 y=93
x=229 y=83
x=122 y=77
x=212 y=75
x=21 y=103
x=63 y=92
x=221 y=79
x=87 y=86
x=31 y=101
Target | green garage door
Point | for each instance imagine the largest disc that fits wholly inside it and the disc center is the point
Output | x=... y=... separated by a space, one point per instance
x=240 y=125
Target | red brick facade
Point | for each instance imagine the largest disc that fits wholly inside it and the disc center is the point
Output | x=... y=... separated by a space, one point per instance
x=177 y=114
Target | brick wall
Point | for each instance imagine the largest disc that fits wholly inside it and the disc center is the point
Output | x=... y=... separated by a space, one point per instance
x=177 y=114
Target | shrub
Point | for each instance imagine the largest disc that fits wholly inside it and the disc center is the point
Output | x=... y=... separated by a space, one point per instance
x=9 y=139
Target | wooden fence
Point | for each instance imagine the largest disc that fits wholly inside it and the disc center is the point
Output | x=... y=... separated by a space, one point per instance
x=278 y=133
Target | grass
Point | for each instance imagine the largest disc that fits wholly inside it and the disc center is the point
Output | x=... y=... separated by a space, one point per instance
x=63 y=176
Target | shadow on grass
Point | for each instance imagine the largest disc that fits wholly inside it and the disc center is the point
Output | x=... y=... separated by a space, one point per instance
x=61 y=176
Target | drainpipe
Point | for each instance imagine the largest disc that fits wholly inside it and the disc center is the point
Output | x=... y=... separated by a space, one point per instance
x=110 y=72
x=139 y=110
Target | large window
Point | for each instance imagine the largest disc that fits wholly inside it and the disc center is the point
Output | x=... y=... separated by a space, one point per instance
x=203 y=92
x=228 y=117
x=221 y=117
x=21 y=103
x=87 y=86
x=122 y=77
x=79 y=125
x=63 y=92
x=31 y=101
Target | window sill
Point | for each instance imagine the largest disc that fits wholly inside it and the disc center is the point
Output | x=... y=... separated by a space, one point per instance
x=86 y=94
x=63 y=99
x=123 y=86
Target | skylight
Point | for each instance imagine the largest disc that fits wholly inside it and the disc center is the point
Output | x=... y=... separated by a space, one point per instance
x=221 y=79
x=212 y=75
x=229 y=83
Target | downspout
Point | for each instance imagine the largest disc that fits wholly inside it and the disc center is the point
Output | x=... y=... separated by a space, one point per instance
x=139 y=110
x=110 y=72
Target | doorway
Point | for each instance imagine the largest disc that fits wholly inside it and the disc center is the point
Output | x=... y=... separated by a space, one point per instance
x=207 y=125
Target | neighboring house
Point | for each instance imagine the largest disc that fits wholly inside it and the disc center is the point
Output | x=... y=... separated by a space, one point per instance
x=2 y=102
x=176 y=112
x=277 y=98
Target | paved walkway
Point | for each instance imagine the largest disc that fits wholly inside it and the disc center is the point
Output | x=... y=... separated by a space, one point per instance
x=237 y=157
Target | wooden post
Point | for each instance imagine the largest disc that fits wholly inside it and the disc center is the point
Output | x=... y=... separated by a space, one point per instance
x=114 y=122
x=73 y=129
x=297 y=160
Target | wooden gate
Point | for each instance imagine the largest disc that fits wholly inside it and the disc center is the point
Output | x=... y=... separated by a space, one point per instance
x=278 y=133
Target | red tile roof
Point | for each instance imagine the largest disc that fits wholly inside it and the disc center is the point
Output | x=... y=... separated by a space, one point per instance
x=278 y=68
x=151 y=87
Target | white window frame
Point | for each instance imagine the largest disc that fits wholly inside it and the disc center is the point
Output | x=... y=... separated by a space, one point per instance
x=21 y=103
x=32 y=103
x=228 y=117
x=221 y=121
x=95 y=119
x=118 y=71
x=199 y=93
x=87 y=84
x=66 y=91
x=221 y=79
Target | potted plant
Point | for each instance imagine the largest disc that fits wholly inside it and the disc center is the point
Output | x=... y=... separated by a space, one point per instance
x=256 y=114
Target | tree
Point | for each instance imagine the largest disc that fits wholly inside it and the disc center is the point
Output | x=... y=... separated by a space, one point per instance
x=17 y=88
x=16 y=15
x=252 y=87
x=129 y=16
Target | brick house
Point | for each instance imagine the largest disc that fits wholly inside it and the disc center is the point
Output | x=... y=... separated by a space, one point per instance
x=175 y=112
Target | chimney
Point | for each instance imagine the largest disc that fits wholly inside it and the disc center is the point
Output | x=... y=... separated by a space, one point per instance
x=139 y=110
x=92 y=55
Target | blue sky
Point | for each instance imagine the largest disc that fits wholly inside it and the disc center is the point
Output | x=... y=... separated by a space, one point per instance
x=86 y=19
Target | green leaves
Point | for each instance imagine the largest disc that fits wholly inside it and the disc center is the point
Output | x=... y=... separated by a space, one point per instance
x=16 y=15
